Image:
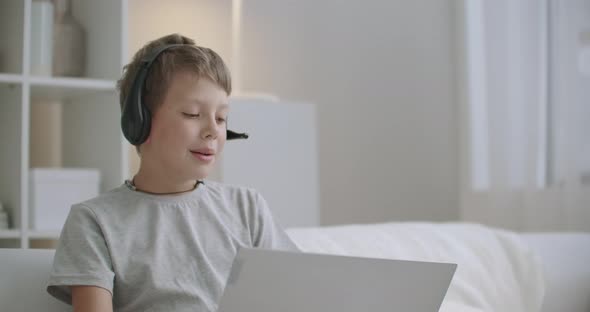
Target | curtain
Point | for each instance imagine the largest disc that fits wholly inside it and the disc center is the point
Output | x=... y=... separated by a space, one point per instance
x=525 y=113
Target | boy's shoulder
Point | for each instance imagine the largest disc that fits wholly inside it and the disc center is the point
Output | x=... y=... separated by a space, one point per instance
x=226 y=187
x=105 y=199
x=230 y=190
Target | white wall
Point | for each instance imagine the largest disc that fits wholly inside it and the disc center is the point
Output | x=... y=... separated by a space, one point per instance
x=382 y=75
x=207 y=22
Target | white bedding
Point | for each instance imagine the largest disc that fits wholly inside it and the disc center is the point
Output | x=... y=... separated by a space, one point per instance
x=566 y=262
x=496 y=270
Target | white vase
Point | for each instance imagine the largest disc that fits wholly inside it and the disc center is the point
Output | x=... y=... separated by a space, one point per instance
x=45 y=134
x=69 y=42
x=41 y=37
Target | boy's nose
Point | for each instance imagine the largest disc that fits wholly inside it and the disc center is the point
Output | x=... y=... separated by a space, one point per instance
x=210 y=130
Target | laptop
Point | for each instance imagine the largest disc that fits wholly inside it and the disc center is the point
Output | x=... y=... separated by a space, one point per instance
x=271 y=281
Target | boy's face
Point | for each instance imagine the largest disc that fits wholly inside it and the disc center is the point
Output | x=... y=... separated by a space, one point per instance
x=188 y=129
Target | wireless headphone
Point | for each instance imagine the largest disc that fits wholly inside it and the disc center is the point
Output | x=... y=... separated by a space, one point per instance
x=136 y=119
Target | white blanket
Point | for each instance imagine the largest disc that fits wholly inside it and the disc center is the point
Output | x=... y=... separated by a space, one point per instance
x=496 y=272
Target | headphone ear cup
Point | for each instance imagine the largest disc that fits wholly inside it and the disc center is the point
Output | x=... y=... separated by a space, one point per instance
x=136 y=117
x=146 y=124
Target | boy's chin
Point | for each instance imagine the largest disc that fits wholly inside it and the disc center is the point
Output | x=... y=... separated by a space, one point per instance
x=201 y=173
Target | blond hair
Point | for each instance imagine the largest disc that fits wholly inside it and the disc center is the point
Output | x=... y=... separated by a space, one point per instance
x=201 y=61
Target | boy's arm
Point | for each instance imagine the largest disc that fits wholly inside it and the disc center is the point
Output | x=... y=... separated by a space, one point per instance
x=82 y=257
x=268 y=232
x=91 y=299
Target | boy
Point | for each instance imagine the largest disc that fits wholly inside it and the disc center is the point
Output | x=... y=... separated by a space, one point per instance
x=166 y=240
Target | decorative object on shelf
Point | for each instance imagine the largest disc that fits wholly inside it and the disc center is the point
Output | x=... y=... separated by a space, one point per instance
x=45 y=137
x=53 y=191
x=41 y=37
x=4 y=222
x=69 y=42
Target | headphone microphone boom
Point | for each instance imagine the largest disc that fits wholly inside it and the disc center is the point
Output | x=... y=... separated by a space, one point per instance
x=232 y=135
x=136 y=118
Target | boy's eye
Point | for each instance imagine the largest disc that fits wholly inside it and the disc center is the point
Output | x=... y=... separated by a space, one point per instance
x=190 y=115
x=221 y=119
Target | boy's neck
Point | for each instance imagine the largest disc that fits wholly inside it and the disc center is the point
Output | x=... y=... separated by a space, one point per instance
x=154 y=183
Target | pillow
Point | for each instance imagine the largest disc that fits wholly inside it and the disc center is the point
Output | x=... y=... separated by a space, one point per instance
x=496 y=270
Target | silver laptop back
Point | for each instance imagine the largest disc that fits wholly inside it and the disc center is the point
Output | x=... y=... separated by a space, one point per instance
x=272 y=281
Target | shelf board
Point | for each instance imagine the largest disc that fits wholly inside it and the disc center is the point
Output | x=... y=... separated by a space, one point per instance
x=60 y=88
x=44 y=234
x=11 y=78
x=9 y=234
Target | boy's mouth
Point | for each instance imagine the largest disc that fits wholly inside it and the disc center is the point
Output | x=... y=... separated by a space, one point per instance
x=205 y=155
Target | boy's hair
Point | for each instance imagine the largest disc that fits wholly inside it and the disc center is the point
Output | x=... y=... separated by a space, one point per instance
x=203 y=62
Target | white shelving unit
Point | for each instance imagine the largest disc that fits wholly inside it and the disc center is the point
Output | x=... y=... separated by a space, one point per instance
x=89 y=112
x=90 y=135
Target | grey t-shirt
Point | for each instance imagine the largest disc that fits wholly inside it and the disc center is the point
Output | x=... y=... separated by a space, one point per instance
x=162 y=252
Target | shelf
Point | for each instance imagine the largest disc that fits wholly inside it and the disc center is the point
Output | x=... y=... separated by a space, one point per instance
x=11 y=78
x=9 y=234
x=61 y=88
x=81 y=115
x=44 y=234
x=76 y=83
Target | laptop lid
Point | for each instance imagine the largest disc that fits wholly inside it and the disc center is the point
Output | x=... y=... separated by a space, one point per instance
x=271 y=280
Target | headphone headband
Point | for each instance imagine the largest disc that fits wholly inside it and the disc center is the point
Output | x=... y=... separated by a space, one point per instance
x=151 y=57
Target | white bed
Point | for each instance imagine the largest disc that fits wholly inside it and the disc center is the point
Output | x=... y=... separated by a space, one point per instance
x=499 y=271
x=566 y=265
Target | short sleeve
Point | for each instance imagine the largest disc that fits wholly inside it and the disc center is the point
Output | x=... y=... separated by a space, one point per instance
x=82 y=256
x=268 y=233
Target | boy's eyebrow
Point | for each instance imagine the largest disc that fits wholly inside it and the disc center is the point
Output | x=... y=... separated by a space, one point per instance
x=220 y=106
